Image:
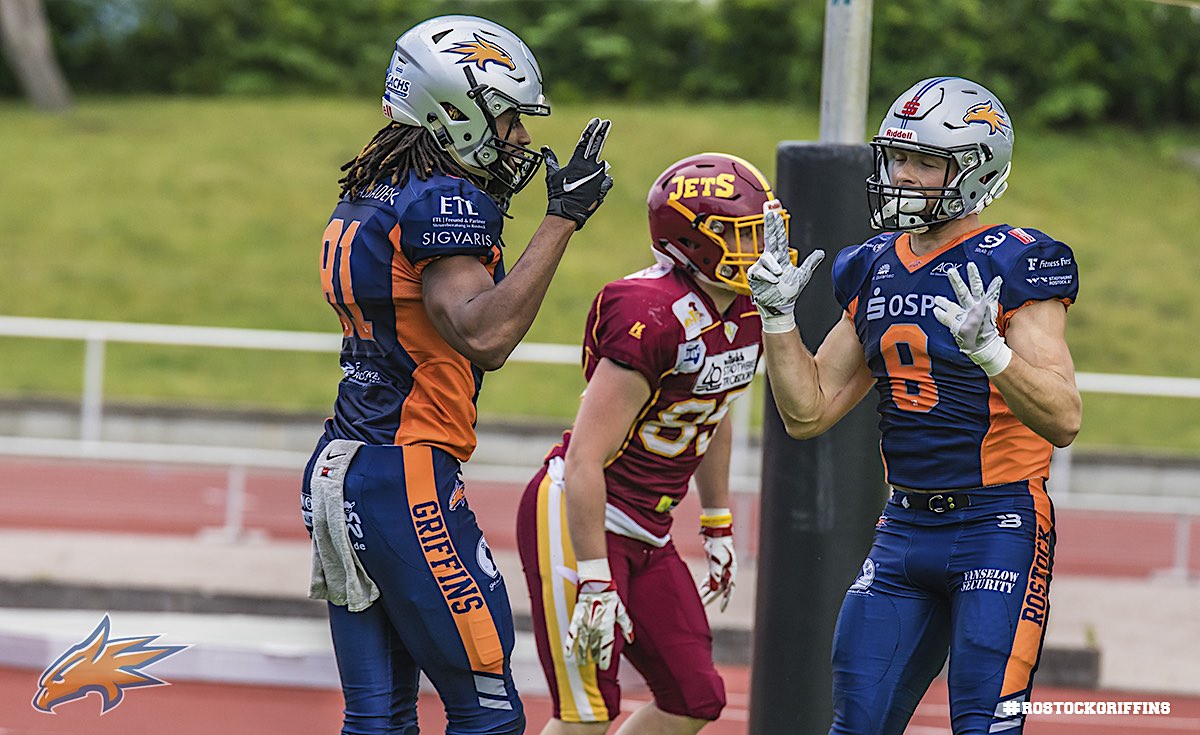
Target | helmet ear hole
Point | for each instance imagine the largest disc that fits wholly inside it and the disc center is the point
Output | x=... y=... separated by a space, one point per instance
x=453 y=112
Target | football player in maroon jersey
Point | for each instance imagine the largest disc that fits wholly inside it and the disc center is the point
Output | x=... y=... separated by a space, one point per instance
x=666 y=350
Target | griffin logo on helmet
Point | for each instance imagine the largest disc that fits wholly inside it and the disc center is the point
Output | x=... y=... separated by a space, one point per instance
x=986 y=114
x=102 y=665
x=482 y=52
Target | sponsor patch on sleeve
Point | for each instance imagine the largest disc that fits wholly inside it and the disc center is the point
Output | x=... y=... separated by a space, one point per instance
x=692 y=314
x=1021 y=235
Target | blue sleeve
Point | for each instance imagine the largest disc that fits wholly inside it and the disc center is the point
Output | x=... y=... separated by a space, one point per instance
x=449 y=217
x=1044 y=269
x=850 y=269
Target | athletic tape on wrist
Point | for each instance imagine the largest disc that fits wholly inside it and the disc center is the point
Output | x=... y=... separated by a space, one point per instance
x=777 y=324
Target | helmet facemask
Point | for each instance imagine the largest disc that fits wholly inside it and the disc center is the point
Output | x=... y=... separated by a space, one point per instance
x=511 y=165
x=742 y=240
x=915 y=209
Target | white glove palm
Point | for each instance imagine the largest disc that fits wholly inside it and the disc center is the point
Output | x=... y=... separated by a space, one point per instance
x=598 y=613
x=972 y=320
x=774 y=282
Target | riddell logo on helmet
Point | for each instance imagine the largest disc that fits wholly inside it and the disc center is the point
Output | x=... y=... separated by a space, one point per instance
x=900 y=134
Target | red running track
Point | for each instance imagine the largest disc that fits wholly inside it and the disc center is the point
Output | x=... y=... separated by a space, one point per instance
x=169 y=499
x=100 y=496
x=192 y=708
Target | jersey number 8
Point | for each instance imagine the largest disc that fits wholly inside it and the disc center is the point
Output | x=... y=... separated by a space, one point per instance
x=905 y=350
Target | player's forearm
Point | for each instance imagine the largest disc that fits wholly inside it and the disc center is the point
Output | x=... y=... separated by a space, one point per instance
x=585 y=493
x=1045 y=401
x=495 y=321
x=795 y=384
x=712 y=474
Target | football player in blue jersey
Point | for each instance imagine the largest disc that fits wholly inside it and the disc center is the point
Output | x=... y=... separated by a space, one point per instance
x=959 y=328
x=412 y=263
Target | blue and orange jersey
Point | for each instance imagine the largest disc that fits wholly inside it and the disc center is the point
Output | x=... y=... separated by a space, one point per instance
x=943 y=424
x=696 y=361
x=403 y=384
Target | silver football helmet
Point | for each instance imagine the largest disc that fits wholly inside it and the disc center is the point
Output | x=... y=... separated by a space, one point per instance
x=454 y=75
x=952 y=118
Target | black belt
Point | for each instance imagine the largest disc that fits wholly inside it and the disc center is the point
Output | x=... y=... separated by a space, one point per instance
x=936 y=502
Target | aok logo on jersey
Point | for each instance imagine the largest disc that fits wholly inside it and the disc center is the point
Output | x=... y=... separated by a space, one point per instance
x=727 y=370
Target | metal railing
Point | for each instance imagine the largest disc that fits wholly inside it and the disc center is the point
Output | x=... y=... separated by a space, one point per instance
x=97 y=334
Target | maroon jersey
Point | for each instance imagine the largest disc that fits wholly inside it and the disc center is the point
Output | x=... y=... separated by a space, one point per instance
x=696 y=361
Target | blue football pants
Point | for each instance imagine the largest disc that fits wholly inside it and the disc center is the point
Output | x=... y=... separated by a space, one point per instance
x=443 y=607
x=972 y=582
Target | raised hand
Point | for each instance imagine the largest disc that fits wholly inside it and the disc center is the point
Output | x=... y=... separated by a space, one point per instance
x=576 y=190
x=972 y=320
x=774 y=282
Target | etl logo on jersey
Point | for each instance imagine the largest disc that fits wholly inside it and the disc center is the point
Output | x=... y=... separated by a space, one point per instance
x=103 y=665
x=458 y=206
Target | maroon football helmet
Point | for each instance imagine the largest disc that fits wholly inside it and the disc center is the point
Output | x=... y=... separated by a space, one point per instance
x=706 y=216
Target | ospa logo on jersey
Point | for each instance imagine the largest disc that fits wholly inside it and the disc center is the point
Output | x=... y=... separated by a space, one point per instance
x=102 y=665
x=727 y=370
x=911 y=304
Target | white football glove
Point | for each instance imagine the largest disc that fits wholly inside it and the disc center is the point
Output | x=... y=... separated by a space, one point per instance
x=716 y=526
x=598 y=613
x=774 y=282
x=972 y=320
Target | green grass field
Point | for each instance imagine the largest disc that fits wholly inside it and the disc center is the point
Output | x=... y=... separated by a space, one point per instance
x=209 y=212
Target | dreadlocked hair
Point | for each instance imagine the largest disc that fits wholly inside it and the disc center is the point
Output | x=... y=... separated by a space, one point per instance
x=395 y=152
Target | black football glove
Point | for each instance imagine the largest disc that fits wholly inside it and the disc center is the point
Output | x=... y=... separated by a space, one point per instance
x=577 y=189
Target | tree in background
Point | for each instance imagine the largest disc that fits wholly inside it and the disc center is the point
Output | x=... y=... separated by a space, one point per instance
x=25 y=38
x=1068 y=62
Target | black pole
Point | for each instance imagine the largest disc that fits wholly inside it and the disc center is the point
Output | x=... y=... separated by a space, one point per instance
x=820 y=497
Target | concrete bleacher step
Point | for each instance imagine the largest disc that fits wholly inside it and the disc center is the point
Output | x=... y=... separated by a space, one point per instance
x=176 y=575
x=228 y=648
